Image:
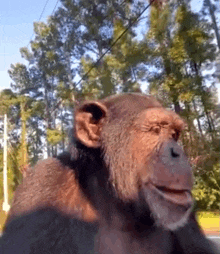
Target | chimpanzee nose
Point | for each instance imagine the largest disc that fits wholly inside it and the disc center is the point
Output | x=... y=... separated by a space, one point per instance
x=174 y=153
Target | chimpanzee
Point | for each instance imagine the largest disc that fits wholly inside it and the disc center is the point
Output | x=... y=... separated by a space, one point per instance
x=124 y=186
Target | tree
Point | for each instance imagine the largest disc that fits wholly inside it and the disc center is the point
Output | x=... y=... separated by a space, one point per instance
x=207 y=5
x=118 y=70
x=180 y=48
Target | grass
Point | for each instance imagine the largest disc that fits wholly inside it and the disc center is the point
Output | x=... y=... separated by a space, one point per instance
x=3 y=216
x=210 y=222
x=2 y=219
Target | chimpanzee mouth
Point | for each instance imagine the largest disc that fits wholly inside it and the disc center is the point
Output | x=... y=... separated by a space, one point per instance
x=169 y=206
x=181 y=197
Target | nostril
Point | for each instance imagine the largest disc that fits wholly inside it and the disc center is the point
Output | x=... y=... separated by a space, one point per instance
x=174 y=154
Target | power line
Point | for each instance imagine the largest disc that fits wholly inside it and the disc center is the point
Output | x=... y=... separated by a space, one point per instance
x=55 y=7
x=112 y=45
x=42 y=15
x=43 y=10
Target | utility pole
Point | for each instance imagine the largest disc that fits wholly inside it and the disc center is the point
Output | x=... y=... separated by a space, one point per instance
x=5 y=206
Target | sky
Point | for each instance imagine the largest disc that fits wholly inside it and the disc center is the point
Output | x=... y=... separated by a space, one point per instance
x=16 y=30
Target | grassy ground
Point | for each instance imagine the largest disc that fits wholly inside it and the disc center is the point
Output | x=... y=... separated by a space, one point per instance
x=2 y=219
x=210 y=222
x=2 y=216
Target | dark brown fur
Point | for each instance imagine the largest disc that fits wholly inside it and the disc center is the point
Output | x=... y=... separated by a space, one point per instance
x=102 y=196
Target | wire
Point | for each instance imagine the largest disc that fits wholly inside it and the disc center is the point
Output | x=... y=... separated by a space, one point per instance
x=42 y=15
x=55 y=7
x=112 y=45
x=43 y=10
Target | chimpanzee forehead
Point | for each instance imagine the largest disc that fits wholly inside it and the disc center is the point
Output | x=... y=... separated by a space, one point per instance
x=129 y=103
x=161 y=116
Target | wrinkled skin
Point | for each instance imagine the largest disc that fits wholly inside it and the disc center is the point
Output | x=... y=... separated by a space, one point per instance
x=123 y=187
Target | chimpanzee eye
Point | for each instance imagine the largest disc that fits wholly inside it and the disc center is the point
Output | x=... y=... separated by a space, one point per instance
x=156 y=129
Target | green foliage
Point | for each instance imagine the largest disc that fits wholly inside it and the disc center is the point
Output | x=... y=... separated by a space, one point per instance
x=7 y=99
x=159 y=20
x=118 y=68
x=14 y=162
x=207 y=189
x=13 y=173
x=20 y=75
x=41 y=29
x=54 y=136
x=179 y=57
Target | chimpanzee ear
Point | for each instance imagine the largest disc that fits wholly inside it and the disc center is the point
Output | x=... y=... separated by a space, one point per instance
x=88 y=123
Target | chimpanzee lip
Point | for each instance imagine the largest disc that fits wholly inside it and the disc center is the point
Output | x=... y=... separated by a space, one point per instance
x=178 y=196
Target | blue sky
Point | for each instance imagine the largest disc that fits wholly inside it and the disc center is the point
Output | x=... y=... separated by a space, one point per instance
x=16 y=30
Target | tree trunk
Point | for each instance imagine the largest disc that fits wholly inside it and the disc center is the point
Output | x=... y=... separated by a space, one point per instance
x=24 y=155
x=197 y=119
x=212 y=14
